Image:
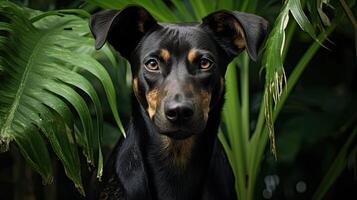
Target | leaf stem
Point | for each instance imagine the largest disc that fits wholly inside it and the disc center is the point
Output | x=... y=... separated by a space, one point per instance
x=244 y=73
x=349 y=14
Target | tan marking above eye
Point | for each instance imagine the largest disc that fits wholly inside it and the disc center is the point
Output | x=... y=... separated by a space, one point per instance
x=192 y=55
x=165 y=54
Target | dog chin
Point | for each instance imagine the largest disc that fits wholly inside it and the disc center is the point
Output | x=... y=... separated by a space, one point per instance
x=178 y=135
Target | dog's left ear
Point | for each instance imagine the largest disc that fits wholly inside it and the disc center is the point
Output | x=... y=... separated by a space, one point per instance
x=235 y=31
x=122 y=29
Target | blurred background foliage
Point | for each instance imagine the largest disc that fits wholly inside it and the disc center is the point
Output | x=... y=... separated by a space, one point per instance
x=311 y=52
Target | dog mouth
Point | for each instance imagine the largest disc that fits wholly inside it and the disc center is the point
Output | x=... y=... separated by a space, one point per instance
x=178 y=134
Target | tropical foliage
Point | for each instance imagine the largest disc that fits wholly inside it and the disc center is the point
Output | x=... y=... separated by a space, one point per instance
x=42 y=56
x=49 y=73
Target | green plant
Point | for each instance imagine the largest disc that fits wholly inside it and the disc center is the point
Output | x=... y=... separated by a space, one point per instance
x=41 y=60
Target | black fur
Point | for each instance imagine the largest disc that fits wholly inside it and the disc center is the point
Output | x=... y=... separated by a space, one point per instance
x=140 y=167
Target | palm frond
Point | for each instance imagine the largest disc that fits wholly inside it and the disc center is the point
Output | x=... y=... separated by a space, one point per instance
x=273 y=60
x=275 y=75
x=41 y=85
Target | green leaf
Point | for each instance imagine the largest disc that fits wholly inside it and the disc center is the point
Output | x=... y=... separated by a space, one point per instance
x=62 y=140
x=33 y=149
x=108 y=4
x=300 y=17
x=273 y=60
x=273 y=63
x=340 y=162
x=199 y=8
x=227 y=4
x=94 y=67
x=41 y=80
x=233 y=120
x=182 y=9
x=157 y=8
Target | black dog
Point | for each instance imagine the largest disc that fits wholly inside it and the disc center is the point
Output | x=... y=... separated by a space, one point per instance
x=171 y=150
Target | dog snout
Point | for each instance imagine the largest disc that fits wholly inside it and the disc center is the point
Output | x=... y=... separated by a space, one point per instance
x=179 y=111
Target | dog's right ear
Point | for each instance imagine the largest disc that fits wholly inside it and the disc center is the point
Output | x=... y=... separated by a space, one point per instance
x=122 y=29
x=235 y=31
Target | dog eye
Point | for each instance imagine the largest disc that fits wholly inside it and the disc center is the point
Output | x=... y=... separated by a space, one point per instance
x=205 y=63
x=152 y=65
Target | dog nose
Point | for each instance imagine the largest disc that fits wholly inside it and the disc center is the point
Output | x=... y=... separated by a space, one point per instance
x=178 y=111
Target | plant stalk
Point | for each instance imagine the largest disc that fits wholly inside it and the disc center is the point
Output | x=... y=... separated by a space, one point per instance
x=262 y=136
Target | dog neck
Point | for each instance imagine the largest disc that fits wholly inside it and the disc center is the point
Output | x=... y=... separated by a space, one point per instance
x=176 y=168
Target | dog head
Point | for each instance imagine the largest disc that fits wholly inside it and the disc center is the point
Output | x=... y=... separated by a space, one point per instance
x=178 y=69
